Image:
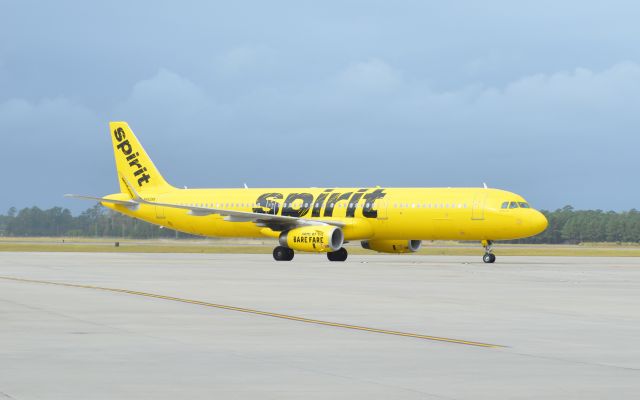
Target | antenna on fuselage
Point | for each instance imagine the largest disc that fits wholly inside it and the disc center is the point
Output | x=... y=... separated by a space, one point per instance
x=485 y=185
x=245 y=186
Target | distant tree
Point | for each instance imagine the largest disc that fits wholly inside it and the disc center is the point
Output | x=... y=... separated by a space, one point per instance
x=566 y=225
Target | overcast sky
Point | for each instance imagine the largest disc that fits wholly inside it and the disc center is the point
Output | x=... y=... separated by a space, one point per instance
x=540 y=98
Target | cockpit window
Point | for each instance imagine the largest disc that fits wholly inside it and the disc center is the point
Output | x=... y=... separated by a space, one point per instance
x=523 y=204
x=505 y=204
x=513 y=204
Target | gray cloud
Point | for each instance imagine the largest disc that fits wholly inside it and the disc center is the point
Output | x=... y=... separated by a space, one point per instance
x=542 y=103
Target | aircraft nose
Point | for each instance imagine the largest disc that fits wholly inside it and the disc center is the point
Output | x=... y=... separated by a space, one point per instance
x=538 y=222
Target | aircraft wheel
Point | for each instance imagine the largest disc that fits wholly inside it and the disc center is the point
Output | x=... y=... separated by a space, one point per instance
x=339 y=255
x=489 y=258
x=291 y=253
x=282 y=253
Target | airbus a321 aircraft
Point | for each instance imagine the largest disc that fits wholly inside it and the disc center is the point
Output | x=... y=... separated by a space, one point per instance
x=387 y=220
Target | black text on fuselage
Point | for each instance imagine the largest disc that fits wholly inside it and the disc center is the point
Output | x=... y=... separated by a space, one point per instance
x=298 y=204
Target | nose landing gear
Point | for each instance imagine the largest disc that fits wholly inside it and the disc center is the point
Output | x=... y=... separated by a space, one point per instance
x=489 y=257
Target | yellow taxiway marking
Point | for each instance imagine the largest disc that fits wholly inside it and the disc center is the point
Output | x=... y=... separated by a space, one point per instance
x=257 y=312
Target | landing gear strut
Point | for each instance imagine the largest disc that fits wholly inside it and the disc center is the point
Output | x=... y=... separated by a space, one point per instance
x=282 y=253
x=488 y=257
x=339 y=255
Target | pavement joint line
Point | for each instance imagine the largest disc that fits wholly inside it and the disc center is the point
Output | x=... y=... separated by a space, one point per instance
x=263 y=313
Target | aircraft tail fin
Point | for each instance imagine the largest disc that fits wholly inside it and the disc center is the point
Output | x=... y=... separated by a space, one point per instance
x=132 y=162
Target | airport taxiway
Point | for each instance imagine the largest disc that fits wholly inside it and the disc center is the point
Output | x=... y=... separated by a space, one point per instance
x=167 y=326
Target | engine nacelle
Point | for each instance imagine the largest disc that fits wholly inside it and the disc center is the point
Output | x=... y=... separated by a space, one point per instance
x=392 y=246
x=321 y=238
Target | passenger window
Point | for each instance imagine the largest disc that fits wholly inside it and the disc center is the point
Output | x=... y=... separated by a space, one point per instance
x=523 y=205
x=513 y=204
x=505 y=204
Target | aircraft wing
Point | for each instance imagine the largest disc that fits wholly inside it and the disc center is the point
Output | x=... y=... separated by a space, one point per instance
x=275 y=222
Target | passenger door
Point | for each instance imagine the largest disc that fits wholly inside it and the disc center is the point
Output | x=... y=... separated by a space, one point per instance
x=477 y=208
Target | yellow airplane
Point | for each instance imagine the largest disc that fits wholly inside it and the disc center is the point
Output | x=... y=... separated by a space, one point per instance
x=387 y=220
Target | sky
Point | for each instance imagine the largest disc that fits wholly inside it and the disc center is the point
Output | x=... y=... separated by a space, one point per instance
x=539 y=98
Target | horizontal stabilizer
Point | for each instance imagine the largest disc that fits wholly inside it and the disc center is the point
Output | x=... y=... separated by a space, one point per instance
x=127 y=203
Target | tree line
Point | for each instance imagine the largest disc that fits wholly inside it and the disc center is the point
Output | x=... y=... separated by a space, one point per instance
x=566 y=225
x=96 y=221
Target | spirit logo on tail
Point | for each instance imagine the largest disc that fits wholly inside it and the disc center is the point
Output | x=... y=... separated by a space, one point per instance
x=132 y=157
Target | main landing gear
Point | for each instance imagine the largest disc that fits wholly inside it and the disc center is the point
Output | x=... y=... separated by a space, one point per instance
x=339 y=255
x=488 y=257
x=282 y=253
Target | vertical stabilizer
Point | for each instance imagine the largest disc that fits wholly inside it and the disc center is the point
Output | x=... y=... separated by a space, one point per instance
x=132 y=162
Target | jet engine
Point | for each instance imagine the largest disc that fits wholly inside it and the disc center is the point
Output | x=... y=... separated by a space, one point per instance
x=392 y=246
x=320 y=238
